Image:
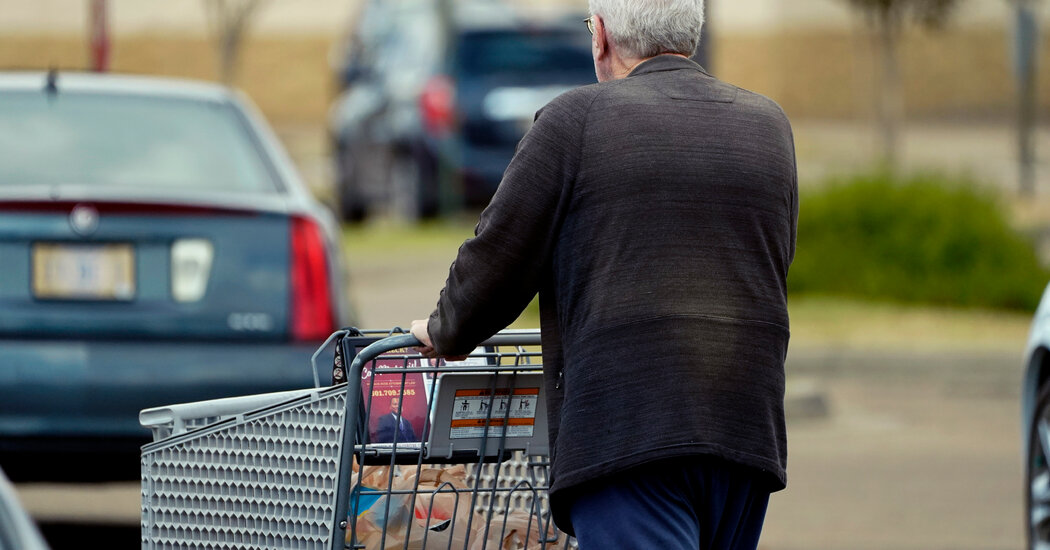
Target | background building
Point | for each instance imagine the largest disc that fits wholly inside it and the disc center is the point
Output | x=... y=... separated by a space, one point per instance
x=812 y=56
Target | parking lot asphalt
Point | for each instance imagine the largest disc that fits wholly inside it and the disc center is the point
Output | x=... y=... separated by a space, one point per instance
x=918 y=451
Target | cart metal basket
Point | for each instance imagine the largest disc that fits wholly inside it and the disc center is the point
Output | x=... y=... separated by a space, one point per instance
x=408 y=453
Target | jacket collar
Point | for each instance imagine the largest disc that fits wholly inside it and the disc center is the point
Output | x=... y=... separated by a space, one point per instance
x=665 y=62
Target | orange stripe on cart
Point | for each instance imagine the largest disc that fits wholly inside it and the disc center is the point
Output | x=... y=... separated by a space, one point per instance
x=481 y=422
x=499 y=391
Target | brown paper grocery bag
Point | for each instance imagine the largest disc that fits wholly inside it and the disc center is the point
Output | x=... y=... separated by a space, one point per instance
x=511 y=533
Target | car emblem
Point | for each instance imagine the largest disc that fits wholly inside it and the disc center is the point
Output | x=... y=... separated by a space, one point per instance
x=84 y=220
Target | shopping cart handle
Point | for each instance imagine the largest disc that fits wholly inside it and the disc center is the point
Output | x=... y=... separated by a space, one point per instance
x=376 y=349
x=398 y=341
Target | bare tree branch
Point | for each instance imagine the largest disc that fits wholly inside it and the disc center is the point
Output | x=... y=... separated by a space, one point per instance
x=228 y=21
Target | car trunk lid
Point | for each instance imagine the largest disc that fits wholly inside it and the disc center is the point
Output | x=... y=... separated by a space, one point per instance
x=132 y=269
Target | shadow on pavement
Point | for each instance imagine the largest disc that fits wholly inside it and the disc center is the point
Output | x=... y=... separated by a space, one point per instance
x=81 y=535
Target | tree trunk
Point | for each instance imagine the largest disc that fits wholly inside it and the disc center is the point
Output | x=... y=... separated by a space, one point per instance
x=890 y=104
x=229 y=48
x=1026 y=127
x=1027 y=110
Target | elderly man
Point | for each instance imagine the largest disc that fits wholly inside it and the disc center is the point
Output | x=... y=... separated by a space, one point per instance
x=654 y=213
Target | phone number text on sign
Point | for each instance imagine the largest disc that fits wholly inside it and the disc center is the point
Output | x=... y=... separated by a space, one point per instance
x=473 y=410
x=393 y=393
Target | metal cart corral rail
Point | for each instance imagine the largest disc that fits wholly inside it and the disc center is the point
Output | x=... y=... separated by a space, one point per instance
x=409 y=453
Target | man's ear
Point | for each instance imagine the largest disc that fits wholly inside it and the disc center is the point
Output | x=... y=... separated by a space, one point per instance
x=601 y=39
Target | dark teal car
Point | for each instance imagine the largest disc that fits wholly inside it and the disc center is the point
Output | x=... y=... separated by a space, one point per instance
x=156 y=247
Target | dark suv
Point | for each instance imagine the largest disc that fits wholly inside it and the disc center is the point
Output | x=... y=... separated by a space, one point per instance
x=435 y=102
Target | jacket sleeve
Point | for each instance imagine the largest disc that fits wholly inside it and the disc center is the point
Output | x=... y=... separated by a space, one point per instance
x=496 y=273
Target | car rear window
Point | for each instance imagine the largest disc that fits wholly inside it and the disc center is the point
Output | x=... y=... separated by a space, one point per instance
x=541 y=51
x=101 y=139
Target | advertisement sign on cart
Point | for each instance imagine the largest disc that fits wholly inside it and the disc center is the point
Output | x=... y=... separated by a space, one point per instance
x=398 y=401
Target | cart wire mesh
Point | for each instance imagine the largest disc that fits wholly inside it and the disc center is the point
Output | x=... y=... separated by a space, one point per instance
x=499 y=499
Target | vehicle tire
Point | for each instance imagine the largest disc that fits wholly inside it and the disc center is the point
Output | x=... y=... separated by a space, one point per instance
x=1037 y=475
x=350 y=201
x=428 y=190
x=351 y=206
x=414 y=179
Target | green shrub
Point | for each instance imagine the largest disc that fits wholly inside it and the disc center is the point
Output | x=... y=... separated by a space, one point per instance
x=923 y=239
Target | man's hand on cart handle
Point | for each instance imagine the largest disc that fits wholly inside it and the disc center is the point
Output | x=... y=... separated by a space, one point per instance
x=419 y=330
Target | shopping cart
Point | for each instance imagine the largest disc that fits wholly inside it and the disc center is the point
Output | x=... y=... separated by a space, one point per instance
x=407 y=453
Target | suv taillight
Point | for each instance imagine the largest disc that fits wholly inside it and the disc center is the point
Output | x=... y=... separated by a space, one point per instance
x=438 y=104
x=312 y=315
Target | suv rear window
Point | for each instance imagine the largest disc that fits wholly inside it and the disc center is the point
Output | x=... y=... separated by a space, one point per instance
x=101 y=139
x=540 y=51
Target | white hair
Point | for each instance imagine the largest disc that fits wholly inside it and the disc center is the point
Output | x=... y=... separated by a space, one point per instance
x=644 y=28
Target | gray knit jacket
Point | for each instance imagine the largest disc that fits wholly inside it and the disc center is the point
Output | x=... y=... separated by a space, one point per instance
x=655 y=216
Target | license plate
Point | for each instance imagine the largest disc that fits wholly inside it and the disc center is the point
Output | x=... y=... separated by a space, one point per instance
x=83 y=272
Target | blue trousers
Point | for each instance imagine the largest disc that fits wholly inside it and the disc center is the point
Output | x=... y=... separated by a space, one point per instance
x=675 y=504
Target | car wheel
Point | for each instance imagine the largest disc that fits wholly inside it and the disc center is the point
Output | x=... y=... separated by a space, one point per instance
x=351 y=204
x=414 y=185
x=1037 y=470
x=429 y=199
x=351 y=201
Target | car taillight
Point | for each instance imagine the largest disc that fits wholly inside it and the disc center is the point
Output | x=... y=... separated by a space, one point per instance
x=438 y=104
x=312 y=315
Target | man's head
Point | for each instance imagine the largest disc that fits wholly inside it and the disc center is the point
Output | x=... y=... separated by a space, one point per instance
x=395 y=402
x=635 y=30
